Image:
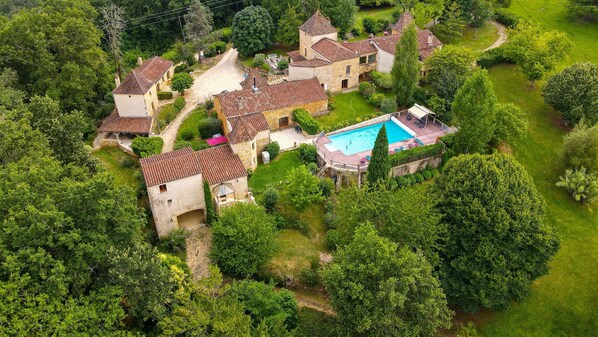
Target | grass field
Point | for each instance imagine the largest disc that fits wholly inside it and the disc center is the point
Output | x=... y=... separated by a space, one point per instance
x=374 y=13
x=564 y=302
x=273 y=173
x=480 y=40
x=192 y=123
x=349 y=106
x=112 y=158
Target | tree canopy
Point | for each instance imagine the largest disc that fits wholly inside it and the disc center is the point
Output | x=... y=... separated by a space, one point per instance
x=580 y=148
x=288 y=28
x=496 y=241
x=252 y=30
x=199 y=22
x=342 y=13
x=406 y=67
x=449 y=67
x=450 y=28
x=378 y=289
x=379 y=167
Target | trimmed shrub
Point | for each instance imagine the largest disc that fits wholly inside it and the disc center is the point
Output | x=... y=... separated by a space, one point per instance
x=271 y=197
x=181 y=144
x=145 y=147
x=215 y=47
x=388 y=105
x=187 y=134
x=127 y=162
x=273 y=149
x=283 y=64
x=419 y=178
x=506 y=17
x=209 y=127
x=367 y=89
x=396 y=14
x=420 y=151
x=309 y=153
x=492 y=57
x=376 y=99
x=312 y=168
x=164 y=95
x=330 y=220
x=179 y=103
x=306 y=121
x=427 y=174
x=258 y=60
x=383 y=24
x=382 y=80
x=181 y=82
x=327 y=186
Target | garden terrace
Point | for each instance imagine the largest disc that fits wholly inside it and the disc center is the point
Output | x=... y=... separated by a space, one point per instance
x=352 y=158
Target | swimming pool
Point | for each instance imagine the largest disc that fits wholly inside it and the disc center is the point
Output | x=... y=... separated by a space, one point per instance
x=363 y=139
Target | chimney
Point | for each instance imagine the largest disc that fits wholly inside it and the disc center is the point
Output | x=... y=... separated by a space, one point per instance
x=139 y=61
x=430 y=39
x=254 y=87
x=117 y=80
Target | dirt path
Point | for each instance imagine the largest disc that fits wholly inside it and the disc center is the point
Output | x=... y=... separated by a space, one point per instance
x=306 y=301
x=199 y=244
x=502 y=35
x=225 y=75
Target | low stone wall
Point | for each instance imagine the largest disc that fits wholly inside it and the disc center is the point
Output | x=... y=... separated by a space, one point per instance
x=413 y=167
x=112 y=142
x=376 y=120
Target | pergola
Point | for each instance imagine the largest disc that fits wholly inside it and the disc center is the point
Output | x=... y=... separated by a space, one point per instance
x=420 y=112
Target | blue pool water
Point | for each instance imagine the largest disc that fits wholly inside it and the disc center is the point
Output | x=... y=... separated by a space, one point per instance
x=362 y=139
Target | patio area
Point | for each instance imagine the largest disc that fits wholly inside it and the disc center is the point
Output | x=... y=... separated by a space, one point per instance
x=426 y=132
x=289 y=139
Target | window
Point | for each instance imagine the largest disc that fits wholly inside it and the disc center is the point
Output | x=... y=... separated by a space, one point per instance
x=223 y=198
x=305 y=52
x=253 y=145
x=163 y=188
x=254 y=160
x=363 y=60
x=348 y=70
x=372 y=58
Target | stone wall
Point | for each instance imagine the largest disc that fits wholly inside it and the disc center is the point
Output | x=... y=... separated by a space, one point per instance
x=246 y=154
x=413 y=167
x=262 y=139
x=332 y=76
x=314 y=108
x=306 y=41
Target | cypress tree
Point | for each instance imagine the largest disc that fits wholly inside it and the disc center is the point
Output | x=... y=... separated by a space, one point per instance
x=379 y=167
x=210 y=211
x=406 y=67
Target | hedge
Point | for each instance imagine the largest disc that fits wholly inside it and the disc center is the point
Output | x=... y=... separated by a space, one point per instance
x=169 y=112
x=412 y=179
x=164 y=95
x=145 y=147
x=350 y=122
x=492 y=57
x=506 y=17
x=306 y=121
x=209 y=127
x=420 y=152
x=215 y=47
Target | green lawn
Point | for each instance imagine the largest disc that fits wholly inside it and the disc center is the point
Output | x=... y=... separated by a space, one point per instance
x=273 y=173
x=479 y=39
x=374 y=13
x=192 y=123
x=349 y=106
x=112 y=158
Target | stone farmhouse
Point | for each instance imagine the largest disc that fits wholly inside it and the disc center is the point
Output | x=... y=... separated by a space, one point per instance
x=136 y=98
x=175 y=181
x=248 y=115
x=339 y=65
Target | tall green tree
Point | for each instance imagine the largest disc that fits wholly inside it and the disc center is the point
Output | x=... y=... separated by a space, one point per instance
x=378 y=289
x=574 y=93
x=480 y=13
x=211 y=215
x=303 y=187
x=536 y=51
x=288 y=28
x=406 y=67
x=497 y=242
x=511 y=123
x=342 y=13
x=474 y=109
x=199 y=22
x=449 y=67
x=244 y=239
x=379 y=166
x=252 y=30
x=451 y=26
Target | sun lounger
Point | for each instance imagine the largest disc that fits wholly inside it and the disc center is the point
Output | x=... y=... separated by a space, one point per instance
x=419 y=142
x=368 y=158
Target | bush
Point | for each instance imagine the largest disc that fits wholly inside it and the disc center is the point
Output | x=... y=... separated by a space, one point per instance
x=388 y=105
x=309 y=153
x=332 y=239
x=181 y=144
x=283 y=64
x=181 y=82
x=164 y=95
x=179 y=103
x=396 y=14
x=383 y=24
x=367 y=89
x=209 y=127
x=492 y=57
x=427 y=174
x=312 y=168
x=187 y=134
x=273 y=149
x=419 y=178
x=127 y=162
x=331 y=106
x=356 y=31
x=330 y=220
x=266 y=67
x=382 y=80
x=419 y=152
x=145 y=147
x=376 y=99
x=309 y=277
x=327 y=186
x=582 y=185
x=370 y=25
x=506 y=17
x=271 y=197
x=175 y=241
x=306 y=121
x=169 y=112
x=216 y=47
x=180 y=68
x=209 y=105
x=226 y=34
x=258 y=60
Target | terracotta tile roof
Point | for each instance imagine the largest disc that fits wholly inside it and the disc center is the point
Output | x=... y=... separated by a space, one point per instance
x=140 y=80
x=170 y=166
x=387 y=43
x=134 y=125
x=318 y=24
x=220 y=164
x=242 y=130
x=260 y=80
x=361 y=47
x=333 y=51
x=404 y=21
x=427 y=42
x=296 y=56
x=314 y=63
x=287 y=94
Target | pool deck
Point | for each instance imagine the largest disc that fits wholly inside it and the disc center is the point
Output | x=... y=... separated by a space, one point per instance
x=427 y=135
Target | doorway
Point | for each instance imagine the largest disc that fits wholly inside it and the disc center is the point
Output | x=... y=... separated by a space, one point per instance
x=283 y=122
x=345 y=84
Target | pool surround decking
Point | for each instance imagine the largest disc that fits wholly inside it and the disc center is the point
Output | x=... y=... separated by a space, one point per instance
x=428 y=135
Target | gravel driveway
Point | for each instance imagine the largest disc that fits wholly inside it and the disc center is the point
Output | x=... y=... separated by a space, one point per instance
x=225 y=75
